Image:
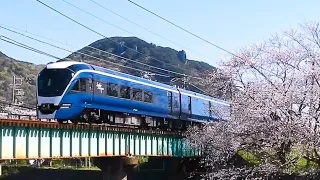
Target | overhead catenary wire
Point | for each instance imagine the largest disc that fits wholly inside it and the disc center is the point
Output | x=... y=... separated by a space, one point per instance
x=203 y=91
x=64 y=48
x=1 y=26
x=97 y=17
x=127 y=59
x=136 y=24
x=207 y=41
x=109 y=53
x=102 y=34
x=41 y=52
x=13 y=42
x=234 y=55
x=3 y=38
x=157 y=73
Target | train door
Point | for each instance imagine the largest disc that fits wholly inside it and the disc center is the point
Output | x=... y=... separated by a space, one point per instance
x=176 y=111
x=174 y=104
x=99 y=90
x=90 y=89
x=185 y=107
x=169 y=102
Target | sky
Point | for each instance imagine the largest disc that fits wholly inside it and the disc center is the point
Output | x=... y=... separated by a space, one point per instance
x=231 y=25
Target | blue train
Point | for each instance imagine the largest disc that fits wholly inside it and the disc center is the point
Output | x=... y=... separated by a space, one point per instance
x=86 y=93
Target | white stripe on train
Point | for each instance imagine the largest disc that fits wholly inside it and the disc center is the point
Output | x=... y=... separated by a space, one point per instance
x=151 y=85
x=65 y=64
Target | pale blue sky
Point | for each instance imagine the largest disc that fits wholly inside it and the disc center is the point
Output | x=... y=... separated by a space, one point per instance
x=229 y=24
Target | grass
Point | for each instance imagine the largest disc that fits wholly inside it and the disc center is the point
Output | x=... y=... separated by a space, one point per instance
x=93 y=168
x=249 y=157
x=301 y=165
x=143 y=160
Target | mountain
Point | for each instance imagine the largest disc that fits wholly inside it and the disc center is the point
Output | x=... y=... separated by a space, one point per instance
x=148 y=53
x=166 y=58
x=3 y=55
x=27 y=71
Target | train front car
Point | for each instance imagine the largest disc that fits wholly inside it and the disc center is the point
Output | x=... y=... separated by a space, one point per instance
x=54 y=99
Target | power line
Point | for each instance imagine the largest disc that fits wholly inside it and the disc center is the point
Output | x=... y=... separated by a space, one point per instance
x=93 y=56
x=41 y=52
x=126 y=19
x=96 y=16
x=169 y=71
x=203 y=91
x=27 y=47
x=123 y=30
x=197 y=37
x=58 y=46
x=49 y=55
x=102 y=34
x=184 y=29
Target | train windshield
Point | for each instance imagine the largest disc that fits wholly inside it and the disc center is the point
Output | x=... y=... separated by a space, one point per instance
x=52 y=82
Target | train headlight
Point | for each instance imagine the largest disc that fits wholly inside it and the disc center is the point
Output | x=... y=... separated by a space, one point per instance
x=64 y=106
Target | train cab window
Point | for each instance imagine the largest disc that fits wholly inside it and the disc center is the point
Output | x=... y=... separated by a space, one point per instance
x=112 y=89
x=147 y=96
x=136 y=94
x=53 y=82
x=76 y=86
x=124 y=92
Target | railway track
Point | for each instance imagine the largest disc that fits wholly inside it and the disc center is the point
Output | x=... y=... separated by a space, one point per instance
x=36 y=123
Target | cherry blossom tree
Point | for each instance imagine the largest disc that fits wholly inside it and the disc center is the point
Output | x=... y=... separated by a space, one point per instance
x=275 y=108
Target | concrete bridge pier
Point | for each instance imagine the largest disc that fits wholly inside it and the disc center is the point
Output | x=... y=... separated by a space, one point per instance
x=116 y=168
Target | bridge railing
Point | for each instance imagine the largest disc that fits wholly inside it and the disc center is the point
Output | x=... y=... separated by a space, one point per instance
x=32 y=139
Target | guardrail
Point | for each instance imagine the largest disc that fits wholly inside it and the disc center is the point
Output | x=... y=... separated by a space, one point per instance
x=18 y=116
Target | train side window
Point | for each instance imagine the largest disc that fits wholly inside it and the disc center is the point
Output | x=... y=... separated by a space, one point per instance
x=147 y=96
x=124 y=92
x=112 y=89
x=82 y=84
x=136 y=94
x=106 y=85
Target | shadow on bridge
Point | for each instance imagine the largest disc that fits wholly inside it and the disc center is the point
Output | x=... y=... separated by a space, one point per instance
x=51 y=174
x=67 y=174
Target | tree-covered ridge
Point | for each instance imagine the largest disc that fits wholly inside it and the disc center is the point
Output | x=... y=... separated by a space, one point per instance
x=151 y=54
x=28 y=71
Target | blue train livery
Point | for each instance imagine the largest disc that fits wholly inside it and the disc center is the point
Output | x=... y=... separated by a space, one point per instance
x=86 y=93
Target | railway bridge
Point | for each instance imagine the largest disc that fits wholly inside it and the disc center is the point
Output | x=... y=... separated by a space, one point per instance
x=112 y=148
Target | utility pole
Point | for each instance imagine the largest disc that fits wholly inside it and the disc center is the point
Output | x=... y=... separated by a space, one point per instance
x=184 y=81
x=17 y=92
x=13 y=89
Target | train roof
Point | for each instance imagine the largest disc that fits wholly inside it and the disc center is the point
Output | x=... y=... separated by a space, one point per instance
x=203 y=96
x=66 y=64
x=63 y=64
x=101 y=69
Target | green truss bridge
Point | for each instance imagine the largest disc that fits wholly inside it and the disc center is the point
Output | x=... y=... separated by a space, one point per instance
x=31 y=139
